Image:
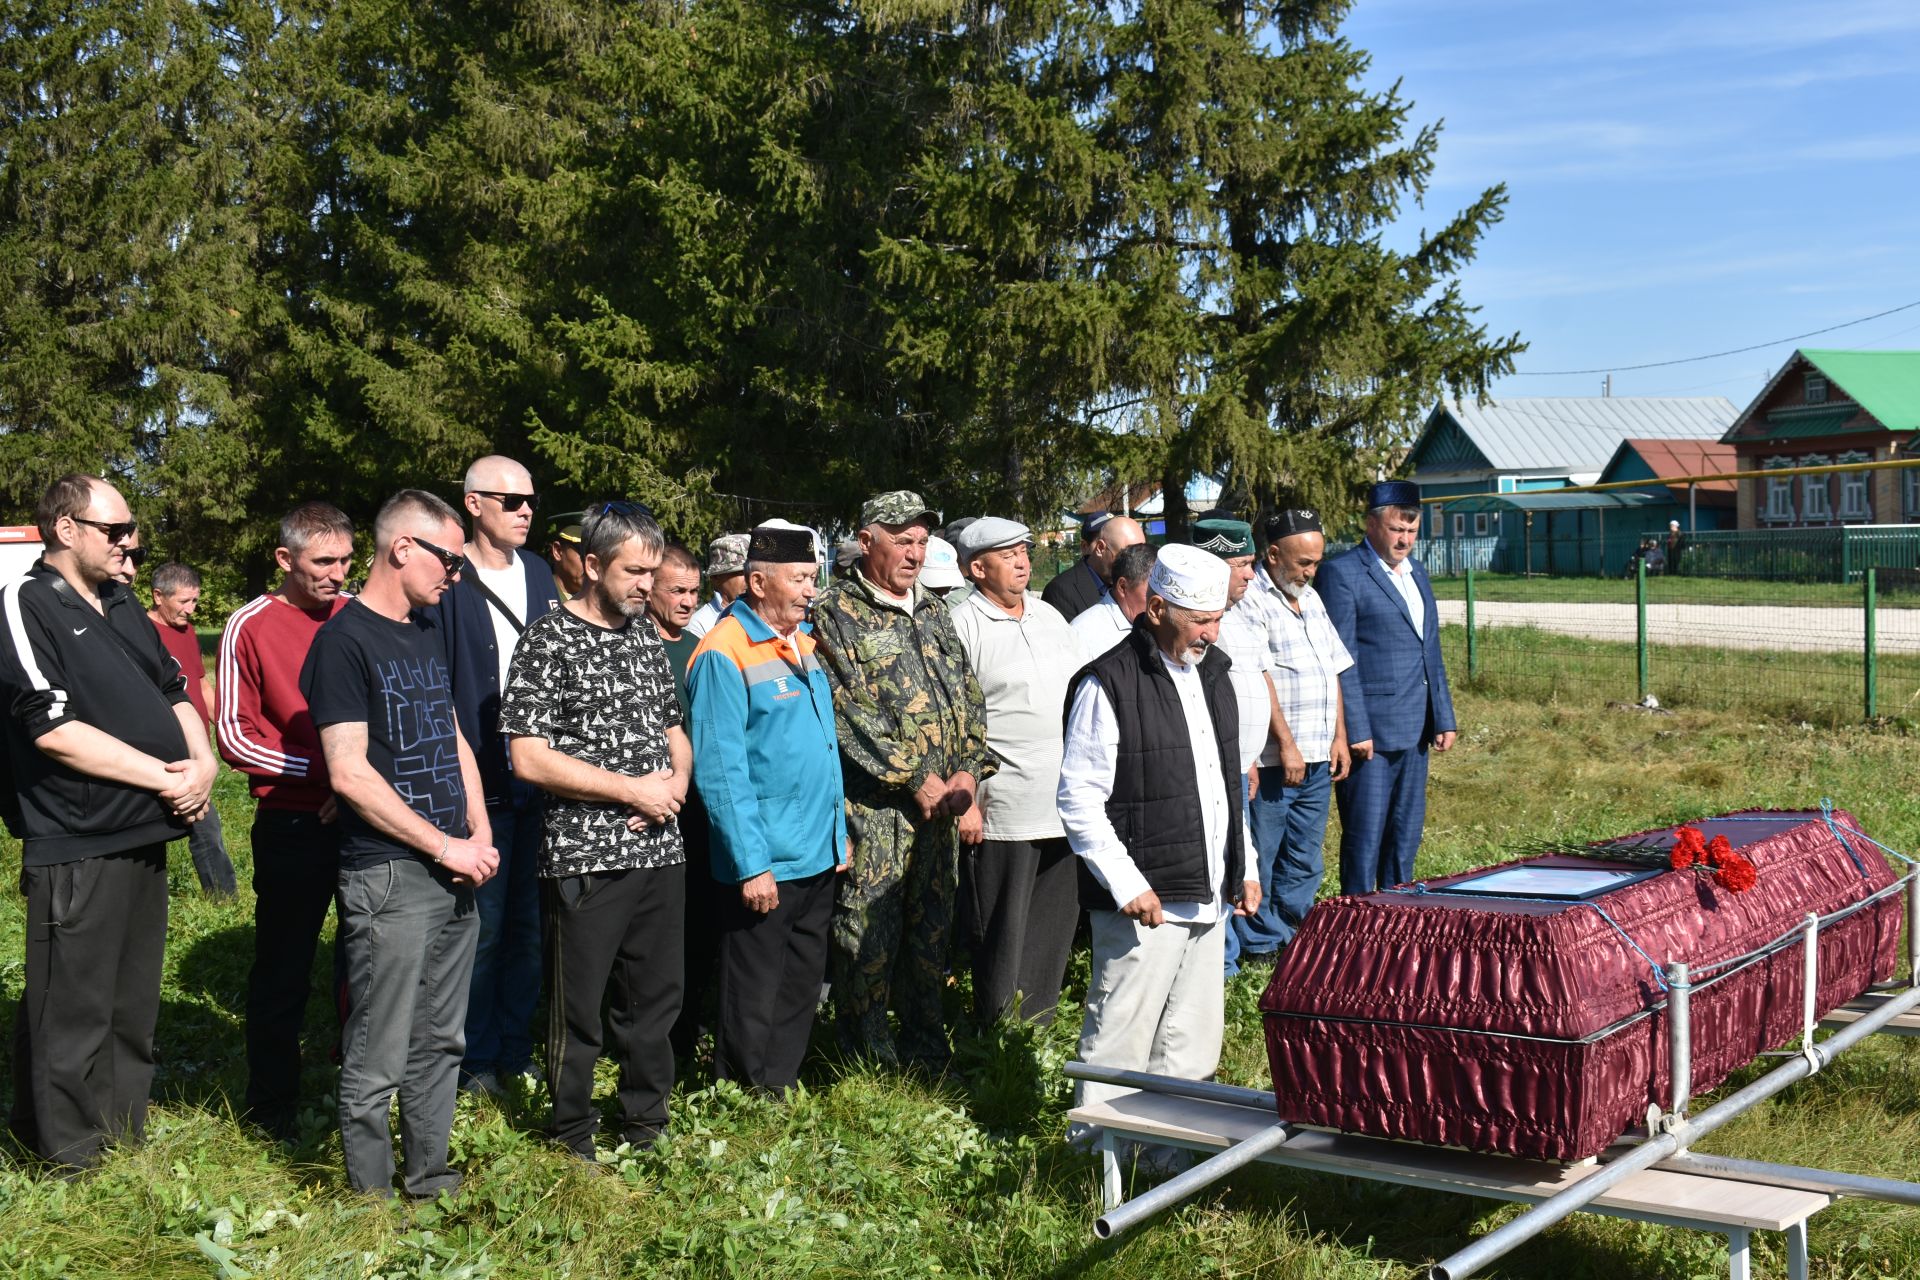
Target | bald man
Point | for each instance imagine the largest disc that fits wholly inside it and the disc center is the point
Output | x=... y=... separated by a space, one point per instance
x=502 y=592
x=1080 y=587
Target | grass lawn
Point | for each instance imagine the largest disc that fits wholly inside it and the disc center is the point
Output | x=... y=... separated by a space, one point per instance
x=876 y=1175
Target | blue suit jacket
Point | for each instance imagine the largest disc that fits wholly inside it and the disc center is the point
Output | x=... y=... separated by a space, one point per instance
x=1396 y=690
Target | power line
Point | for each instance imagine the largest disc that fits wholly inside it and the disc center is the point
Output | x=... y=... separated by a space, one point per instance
x=1758 y=346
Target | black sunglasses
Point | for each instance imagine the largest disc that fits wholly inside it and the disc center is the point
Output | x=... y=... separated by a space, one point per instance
x=507 y=501
x=115 y=530
x=452 y=562
x=136 y=556
x=625 y=507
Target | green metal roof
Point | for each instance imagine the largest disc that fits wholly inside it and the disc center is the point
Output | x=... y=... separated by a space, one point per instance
x=1799 y=424
x=1885 y=383
x=1549 y=500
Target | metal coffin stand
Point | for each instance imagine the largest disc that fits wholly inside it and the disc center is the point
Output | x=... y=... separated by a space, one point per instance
x=1655 y=1180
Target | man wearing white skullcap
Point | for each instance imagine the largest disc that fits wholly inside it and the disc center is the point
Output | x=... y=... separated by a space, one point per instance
x=1150 y=796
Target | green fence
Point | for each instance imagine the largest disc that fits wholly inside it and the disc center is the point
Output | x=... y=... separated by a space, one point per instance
x=1818 y=652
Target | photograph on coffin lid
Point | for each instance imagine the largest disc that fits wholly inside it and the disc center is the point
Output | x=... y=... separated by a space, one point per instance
x=1534 y=1025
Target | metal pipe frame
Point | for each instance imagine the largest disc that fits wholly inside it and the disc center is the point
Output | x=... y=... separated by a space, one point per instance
x=1497 y=1244
x=1209 y=1171
x=1679 y=1039
x=1798 y=1177
x=1205 y=1090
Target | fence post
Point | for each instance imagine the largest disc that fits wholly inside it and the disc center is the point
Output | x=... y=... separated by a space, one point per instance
x=1473 y=636
x=1640 y=621
x=1871 y=661
x=1846 y=557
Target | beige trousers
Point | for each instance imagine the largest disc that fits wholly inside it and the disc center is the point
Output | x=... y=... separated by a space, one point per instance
x=1155 y=1001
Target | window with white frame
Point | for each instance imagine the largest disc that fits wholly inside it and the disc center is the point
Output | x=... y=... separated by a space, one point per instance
x=1779 y=492
x=1459 y=525
x=1816 y=388
x=1438 y=525
x=1855 y=501
x=1479 y=524
x=1816 y=494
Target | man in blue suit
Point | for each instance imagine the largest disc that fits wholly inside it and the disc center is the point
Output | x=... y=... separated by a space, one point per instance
x=1396 y=697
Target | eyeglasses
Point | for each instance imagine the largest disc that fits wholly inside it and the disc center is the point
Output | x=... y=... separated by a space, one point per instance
x=136 y=556
x=507 y=501
x=115 y=530
x=452 y=562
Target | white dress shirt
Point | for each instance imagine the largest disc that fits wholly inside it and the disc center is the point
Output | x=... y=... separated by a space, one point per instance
x=1402 y=579
x=1100 y=627
x=1243 y=637
x=1087 y=769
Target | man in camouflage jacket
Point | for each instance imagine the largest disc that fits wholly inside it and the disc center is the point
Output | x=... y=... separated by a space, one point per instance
x=913 y=748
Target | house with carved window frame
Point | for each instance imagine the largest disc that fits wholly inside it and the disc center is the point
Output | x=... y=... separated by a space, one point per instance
x=1830 y=408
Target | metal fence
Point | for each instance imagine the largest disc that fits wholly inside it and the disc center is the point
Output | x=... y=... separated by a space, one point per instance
x=1783 y=633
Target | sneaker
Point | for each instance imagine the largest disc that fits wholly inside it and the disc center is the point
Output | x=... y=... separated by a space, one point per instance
x=482 y=1082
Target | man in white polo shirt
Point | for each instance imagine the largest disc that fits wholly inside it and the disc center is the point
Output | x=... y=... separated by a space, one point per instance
x=1151 y=798
x=1018 y=897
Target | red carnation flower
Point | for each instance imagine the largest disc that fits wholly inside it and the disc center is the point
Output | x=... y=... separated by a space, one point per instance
x=1688 y=848
x=1682 y=856
x=1736 y=874
x=1720 y=850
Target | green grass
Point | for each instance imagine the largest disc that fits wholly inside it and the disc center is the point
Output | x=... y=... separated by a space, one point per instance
x=1514 y=589
x=871 y=1175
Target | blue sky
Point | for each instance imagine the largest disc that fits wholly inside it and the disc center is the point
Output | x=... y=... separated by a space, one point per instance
x=1683 y=178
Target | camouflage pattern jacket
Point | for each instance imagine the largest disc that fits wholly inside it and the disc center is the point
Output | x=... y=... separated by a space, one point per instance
x=907 y=703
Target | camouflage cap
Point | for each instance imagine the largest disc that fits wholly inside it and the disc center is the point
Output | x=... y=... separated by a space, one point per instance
x=898 y=506
x=727 y=555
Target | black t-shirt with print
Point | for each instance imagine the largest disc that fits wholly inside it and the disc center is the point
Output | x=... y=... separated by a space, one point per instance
x=605 y=696
x=391 y=676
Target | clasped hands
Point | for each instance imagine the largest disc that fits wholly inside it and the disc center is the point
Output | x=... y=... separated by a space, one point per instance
x=654 y=798
x=191 y=794
x=950 y=795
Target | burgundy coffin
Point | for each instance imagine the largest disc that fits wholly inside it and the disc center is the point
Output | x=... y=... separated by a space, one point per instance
x=1534 y=1028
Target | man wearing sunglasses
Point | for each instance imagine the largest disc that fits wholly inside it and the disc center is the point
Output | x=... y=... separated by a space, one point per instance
x=502 y=592
x=414 y=844
x=110 y=762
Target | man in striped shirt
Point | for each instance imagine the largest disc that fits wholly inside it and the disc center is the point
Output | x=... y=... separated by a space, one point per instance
x=265 y=730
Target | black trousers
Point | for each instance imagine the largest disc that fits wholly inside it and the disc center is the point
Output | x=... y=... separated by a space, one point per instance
x=619 y=930
x=83 y=1039
x=296 y=877
x=1020 y=900
x=771 y=968
x=702 y=938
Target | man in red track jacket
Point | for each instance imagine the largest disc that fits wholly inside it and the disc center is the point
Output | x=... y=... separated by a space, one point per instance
x=266 y=732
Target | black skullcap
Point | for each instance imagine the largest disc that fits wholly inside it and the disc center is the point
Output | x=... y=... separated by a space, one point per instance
x=1292 y=520
x=780 y=546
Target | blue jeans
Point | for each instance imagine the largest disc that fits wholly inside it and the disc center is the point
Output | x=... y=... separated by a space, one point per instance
x=1288 y=826
x=506 y=961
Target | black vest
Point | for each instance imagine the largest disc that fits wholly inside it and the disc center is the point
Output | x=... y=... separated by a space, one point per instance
x=1155 y=805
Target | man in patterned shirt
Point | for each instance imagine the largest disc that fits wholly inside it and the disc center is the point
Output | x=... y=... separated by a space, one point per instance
x=1310 y=754
x=592 y=719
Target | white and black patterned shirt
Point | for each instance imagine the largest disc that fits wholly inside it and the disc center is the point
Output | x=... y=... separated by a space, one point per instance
x=605 y=697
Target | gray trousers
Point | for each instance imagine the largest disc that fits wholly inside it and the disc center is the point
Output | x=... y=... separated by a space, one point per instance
x=408 y=936
x=1020 y=900
x=1155 y=1001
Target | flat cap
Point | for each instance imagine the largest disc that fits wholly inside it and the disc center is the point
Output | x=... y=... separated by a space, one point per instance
x=897 y=506
x=1393 y=493
x=1092 y=522
x=989 y=533
x=1223 y=536
x=727 y=555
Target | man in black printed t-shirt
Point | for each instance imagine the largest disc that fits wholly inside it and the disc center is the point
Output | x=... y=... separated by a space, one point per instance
x=414 y=841
x=592 y=719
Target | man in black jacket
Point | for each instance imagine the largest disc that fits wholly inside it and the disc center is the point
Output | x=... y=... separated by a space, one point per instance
x=1079 y=588
x=1151 y=796
x=110 y=761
